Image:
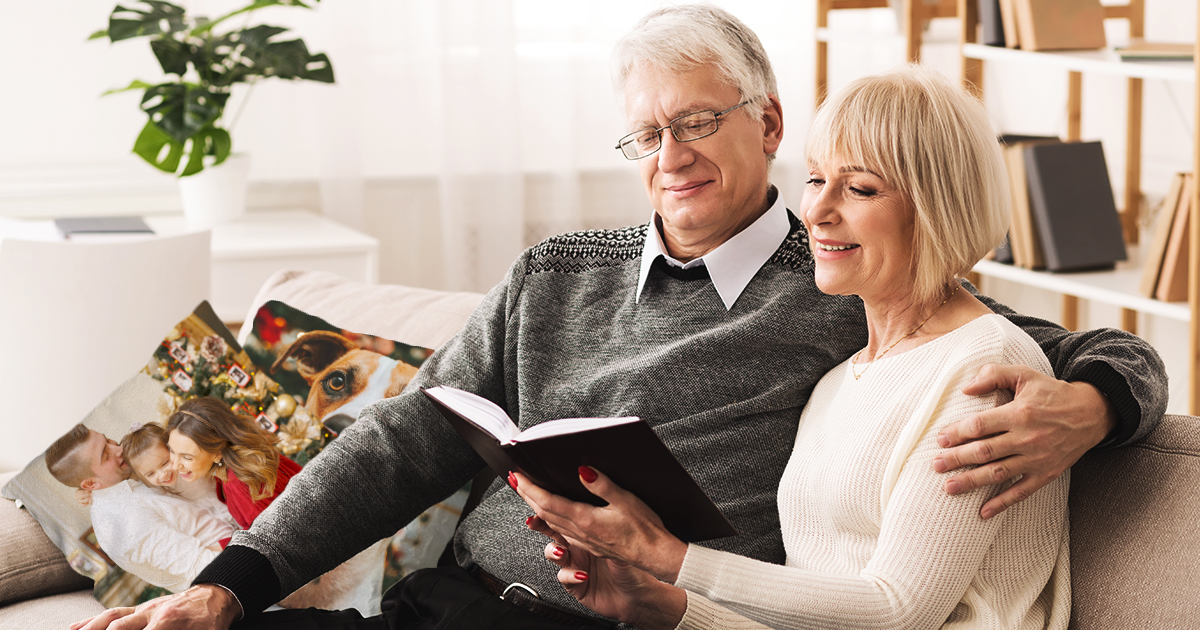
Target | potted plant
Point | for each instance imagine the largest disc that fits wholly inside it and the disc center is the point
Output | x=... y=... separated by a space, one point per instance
x=186 y=131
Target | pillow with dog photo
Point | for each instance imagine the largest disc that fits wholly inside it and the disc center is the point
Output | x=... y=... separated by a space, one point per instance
x=329 y=374
x=139 y=542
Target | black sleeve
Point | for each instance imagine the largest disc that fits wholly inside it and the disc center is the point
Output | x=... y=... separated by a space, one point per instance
x=1125 y=368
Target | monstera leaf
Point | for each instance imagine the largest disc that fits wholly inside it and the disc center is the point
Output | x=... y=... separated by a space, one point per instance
x=160 y=18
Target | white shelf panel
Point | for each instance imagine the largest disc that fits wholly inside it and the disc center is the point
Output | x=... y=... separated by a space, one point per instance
x=1097 y=61
x=1118 y=287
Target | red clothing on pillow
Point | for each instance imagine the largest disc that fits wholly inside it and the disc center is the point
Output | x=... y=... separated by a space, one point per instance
x=236 y=494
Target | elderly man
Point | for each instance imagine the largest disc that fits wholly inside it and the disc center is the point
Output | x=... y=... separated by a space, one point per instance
x=159 y=537
x=706 y=323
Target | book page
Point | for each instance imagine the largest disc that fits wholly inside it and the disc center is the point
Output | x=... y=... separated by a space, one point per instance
x=480 y=411
x=568 y=425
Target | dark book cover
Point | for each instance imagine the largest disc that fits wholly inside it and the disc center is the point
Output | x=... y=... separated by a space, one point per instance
x=102 y=225
x=631 y=454
x=991 y=23
x=1071 y=200
x=1003 y=252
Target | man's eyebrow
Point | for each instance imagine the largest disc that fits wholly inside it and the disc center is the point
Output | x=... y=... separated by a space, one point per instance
x=691 y=108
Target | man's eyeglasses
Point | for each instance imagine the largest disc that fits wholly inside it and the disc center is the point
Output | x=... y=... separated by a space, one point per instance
x=686 y=128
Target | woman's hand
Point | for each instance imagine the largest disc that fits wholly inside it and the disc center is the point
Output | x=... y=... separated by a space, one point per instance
x=615 y=589
x=625 y=530
x=84 y=496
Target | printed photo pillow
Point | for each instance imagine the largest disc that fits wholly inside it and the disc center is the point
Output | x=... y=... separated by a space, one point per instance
x=328 y=374
x=199 y=357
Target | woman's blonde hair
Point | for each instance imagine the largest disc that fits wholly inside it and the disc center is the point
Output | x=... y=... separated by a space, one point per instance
x=245 y=449
x=139 y=441
x=933 y=142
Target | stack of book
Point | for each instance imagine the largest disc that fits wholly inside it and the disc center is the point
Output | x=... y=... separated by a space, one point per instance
x=1042 y=24
x=1164 y=274
x=1064 y=217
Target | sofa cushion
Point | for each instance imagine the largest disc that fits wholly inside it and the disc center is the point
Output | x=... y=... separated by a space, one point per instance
x=30 y=565
x=1135 y=532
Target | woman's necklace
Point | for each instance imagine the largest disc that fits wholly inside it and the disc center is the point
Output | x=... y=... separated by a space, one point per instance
x=854 y=360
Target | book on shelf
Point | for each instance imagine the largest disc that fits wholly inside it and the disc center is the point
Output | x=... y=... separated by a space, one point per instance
x=1142 y=50
x=1008 y=21
x=1023 y=235
x=550 y=453
x=1156 y=249
x=1060 y=24
x=991 y=23
x=102 y=229
x=1072 y=205
x=1173 y=280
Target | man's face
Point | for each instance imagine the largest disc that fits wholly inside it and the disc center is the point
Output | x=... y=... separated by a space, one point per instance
x=706 y=190
x=107 y=463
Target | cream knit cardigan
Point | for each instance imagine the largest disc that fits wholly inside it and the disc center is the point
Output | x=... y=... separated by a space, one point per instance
x=872 y=539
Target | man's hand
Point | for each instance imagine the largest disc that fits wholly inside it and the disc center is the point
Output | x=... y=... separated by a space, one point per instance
x=202 y=607
x=1046 y=428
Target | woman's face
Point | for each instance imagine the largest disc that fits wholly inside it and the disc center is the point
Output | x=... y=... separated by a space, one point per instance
x=191 y=461
x=154 y=465
x=861 y=232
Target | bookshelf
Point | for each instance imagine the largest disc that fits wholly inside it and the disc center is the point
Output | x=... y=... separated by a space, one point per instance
x=916 y=14
x=1117 y=287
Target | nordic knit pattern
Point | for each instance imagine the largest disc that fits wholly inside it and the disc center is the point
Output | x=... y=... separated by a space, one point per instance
x=872 y=539
x=562 y=336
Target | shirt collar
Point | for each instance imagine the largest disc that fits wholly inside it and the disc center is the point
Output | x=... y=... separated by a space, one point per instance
x=733 y=264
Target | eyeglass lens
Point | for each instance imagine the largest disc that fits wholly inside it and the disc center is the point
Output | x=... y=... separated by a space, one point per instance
x=684 y=129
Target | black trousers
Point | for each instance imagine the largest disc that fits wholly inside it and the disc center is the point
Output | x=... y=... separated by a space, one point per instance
x=445 y=598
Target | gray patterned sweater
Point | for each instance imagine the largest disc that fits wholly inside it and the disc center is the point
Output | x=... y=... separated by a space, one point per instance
x=563 y=336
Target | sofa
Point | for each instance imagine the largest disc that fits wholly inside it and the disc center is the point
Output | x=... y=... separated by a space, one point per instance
x=1134 y=510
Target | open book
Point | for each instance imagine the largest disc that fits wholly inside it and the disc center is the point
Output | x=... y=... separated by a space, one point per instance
x=550 y=453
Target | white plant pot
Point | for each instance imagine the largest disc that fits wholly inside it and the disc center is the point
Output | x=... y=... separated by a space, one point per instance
x=217 y=194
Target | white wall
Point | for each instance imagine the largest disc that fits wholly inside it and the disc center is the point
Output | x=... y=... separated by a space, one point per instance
x=66 y=150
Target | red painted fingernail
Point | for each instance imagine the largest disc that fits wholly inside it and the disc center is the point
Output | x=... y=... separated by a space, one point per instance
x=587 y=474
x=529 y=521
x=581 y=576
x=558 y=553
x=512 y=481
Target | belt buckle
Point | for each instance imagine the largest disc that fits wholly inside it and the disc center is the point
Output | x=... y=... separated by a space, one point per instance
x=518 y=585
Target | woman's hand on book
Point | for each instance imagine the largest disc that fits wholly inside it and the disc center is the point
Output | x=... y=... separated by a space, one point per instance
x=624 y=530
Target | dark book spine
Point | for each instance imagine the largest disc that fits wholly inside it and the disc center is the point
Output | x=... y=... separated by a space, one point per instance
x=991 y=23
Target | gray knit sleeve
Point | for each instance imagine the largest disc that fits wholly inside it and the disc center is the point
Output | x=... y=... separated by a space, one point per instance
x=398 y=459
x=1121 y=365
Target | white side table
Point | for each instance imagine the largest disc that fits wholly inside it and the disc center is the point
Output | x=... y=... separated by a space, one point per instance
x=247 y=251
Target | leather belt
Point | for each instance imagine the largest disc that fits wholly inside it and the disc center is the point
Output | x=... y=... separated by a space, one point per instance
x=526 y=597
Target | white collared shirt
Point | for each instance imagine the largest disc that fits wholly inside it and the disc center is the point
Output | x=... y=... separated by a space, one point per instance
x=733 y=263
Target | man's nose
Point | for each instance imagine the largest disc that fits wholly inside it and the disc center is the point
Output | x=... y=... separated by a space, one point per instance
x=673 y=154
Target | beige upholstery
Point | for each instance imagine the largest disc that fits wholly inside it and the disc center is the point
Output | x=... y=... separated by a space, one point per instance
x=1134 y=511
x=30 y=565
x=1135 y=532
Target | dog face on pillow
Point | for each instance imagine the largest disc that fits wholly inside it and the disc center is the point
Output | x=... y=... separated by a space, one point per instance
x=342 y=377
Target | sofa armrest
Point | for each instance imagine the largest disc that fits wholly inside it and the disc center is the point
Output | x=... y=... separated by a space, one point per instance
x=30 y=565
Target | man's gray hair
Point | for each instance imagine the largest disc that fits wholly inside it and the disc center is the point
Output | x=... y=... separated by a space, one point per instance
x=679 y=38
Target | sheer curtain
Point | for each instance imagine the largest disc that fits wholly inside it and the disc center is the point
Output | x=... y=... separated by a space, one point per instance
x=498 y=116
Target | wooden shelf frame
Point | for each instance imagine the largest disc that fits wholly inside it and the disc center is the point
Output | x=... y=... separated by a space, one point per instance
x=1100 y=286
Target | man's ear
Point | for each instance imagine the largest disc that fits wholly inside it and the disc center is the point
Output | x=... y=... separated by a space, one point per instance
x=90 y=484
x=772 y=118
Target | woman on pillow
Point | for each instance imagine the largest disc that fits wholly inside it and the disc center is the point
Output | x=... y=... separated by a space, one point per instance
x=207 y=440
x=907 y=191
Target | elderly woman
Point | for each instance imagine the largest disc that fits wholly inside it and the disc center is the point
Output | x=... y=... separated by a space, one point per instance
x=907 y=192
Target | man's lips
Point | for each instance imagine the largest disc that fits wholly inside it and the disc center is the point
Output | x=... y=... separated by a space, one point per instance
x=685 y=189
